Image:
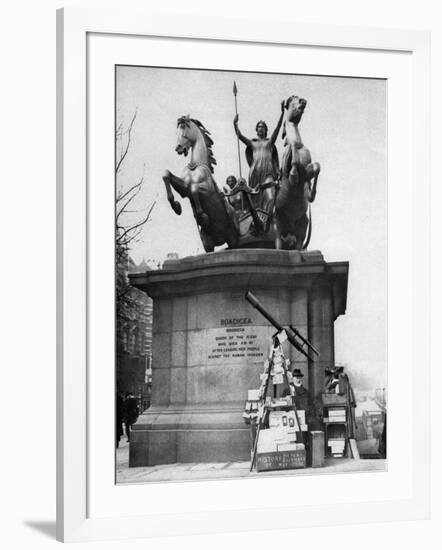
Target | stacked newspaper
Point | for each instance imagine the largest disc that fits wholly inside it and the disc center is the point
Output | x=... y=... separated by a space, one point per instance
x=337 y=447
x=336 y=414
x=281 y=433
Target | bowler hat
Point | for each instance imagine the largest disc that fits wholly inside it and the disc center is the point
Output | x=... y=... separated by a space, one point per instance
x=297 y=373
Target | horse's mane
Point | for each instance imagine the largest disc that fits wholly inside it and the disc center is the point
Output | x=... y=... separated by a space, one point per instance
x=185 y=119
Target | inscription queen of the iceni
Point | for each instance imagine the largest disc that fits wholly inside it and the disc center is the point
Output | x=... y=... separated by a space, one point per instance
x=271 y=210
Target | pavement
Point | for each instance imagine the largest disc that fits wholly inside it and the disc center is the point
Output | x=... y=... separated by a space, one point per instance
x=193 y=471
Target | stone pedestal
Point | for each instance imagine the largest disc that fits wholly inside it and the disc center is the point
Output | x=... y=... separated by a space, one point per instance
x=209 y=345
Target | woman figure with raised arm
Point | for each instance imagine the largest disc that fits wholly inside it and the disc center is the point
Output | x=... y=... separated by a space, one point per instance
x=261 y=153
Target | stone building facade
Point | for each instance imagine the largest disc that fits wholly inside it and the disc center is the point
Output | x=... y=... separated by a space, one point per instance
x=134 y=337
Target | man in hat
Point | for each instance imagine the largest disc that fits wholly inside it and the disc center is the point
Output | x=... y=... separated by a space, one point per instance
x=303 y=400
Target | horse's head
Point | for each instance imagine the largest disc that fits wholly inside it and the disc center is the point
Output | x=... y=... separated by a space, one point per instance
x=186 y=135
x=295 y=108
x=190 y=131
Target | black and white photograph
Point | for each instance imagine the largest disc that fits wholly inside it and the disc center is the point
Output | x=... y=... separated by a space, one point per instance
x=251 y=246
x=221 y=302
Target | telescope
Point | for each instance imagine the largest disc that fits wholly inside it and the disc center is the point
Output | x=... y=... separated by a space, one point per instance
x=293 y=335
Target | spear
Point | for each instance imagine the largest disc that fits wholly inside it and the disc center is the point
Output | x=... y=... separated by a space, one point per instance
x=235 y=91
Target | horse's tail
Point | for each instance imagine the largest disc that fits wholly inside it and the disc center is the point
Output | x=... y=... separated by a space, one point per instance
x=309 y=228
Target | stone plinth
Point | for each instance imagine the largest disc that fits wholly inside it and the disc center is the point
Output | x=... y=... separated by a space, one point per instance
x=209 y=345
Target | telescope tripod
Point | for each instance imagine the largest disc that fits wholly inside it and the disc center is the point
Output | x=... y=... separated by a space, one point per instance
x=262 y=414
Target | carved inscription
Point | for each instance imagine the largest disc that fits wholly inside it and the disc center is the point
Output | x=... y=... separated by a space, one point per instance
x=236 y=341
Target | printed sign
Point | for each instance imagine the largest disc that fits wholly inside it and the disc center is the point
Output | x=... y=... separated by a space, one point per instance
x=284 y=460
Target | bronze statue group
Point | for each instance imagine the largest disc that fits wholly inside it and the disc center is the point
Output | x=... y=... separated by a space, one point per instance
x=272 y=208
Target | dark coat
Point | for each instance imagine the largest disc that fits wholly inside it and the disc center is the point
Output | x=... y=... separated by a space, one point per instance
x=131 y=410
x=304 y=402
x=119 y=416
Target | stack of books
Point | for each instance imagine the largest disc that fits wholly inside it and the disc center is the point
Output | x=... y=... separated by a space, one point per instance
x=281 y=433
x=278 y=439
x=290 y=447
x=336 y=446
x=269 y=439
x=267 y=442
x=337 y=414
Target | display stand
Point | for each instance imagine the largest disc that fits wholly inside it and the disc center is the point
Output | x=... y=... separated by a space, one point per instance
x=286 y=459
x=338 y=424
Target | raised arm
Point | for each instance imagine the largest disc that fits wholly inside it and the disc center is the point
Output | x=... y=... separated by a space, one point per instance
x=278 y=126
x=245 y=140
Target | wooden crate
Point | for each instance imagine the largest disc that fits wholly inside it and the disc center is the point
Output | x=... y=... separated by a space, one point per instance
x=283 y=460
x=330 y=399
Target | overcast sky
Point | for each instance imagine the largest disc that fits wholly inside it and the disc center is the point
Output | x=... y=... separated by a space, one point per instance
x=344 y=126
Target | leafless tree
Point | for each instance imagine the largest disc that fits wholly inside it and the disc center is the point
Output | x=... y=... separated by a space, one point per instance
x=127 y=229
x=126 y=234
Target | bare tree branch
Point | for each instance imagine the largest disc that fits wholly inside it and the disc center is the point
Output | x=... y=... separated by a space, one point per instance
x=129 y=301
x=121 y=197
x=123 y=208
x=131 y=228
x=126 y=149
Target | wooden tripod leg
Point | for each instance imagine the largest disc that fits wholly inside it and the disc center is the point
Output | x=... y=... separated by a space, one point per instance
x=261 y=420
x=255 y=444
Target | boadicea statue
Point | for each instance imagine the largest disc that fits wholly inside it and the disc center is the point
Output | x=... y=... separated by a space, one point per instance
x=272 y=210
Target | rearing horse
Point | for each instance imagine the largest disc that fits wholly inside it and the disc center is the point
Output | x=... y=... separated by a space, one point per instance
x=299 y=177
x=214 y=215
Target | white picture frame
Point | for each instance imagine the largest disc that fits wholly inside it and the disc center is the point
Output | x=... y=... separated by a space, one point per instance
x=80 y=515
